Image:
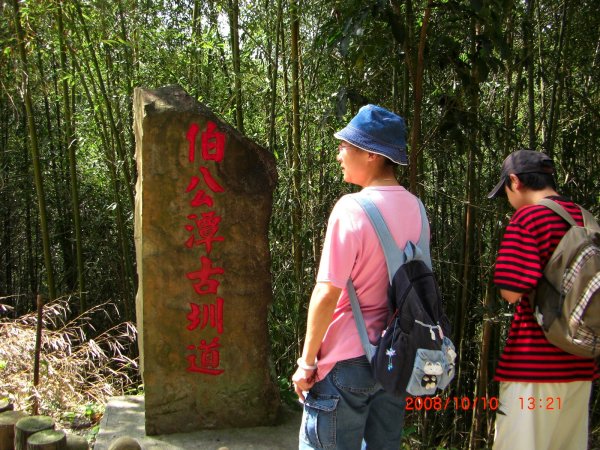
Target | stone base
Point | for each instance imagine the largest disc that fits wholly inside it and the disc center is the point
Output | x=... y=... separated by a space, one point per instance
x=124 y=416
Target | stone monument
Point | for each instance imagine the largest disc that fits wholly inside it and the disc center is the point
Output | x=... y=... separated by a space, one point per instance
x=203 y=204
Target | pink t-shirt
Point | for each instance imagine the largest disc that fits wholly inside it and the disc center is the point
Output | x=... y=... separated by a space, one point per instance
x=352 y=249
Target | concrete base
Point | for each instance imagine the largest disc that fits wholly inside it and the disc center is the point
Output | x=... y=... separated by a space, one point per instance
x=124 y=416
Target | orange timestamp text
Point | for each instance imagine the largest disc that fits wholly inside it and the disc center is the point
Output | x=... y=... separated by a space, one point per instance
x=447 y=403
x=534 y=403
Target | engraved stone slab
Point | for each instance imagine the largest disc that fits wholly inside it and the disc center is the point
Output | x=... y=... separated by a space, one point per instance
x=203 y=205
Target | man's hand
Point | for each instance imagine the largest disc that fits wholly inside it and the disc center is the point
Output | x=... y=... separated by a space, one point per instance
x=511 y=296
x=320 y=313
x=303 y=380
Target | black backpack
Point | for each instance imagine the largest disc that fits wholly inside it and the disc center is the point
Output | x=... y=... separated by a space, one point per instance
x=415 y=354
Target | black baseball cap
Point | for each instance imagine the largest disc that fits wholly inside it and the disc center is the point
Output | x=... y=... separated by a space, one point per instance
x=522 y=161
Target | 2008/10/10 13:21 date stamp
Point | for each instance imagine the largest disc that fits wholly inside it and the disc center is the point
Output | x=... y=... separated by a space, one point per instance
x=456 y=403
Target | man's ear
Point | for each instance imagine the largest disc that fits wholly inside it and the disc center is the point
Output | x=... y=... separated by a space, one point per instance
x=375 y=157
x=515 y=183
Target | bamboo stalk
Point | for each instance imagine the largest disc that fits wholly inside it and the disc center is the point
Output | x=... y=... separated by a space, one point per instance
x=38 y=349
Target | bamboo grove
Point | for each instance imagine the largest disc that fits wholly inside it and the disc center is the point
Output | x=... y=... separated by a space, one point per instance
x=475 y=79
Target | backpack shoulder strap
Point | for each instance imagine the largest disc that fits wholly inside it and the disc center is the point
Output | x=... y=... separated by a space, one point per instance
x=558 y=209
x=423 y=243
x=589 y=221
x=394 y=258
x=360 y=321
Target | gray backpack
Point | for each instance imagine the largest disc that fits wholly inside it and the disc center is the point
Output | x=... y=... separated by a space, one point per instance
x=566 y=301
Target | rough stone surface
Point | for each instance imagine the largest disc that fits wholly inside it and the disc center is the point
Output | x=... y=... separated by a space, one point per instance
x=125 y=443
x=243 y=394
x=124 y=416
x=76 y=442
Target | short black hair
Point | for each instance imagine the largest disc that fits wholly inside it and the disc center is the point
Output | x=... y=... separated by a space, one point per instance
x=534 y=181
x=389 y=162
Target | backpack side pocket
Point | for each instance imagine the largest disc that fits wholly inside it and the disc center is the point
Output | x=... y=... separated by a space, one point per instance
x=428 y=372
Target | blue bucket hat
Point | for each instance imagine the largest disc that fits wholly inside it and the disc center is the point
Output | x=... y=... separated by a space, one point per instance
x=377 y=130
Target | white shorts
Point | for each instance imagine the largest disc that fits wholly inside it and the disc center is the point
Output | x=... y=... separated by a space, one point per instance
x=543 y=416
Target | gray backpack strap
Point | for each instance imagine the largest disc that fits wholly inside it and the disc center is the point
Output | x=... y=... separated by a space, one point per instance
x=360 y=322
x=424 y=241
x=589 y=221
x=562 y=212
x=394 y=258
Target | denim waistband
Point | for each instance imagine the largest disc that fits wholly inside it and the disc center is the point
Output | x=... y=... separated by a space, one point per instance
x=358 y=361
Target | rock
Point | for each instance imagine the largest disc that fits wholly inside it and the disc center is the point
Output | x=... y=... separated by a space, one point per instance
x=203 y=205
x=76 y=442
x=125 y=443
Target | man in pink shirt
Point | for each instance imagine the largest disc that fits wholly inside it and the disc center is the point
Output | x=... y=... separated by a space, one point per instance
x=344 y=406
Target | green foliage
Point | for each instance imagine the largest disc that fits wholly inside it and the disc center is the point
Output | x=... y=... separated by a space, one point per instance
x=480 y=101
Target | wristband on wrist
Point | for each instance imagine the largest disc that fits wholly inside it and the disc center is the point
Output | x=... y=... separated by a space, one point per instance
x=302 y=364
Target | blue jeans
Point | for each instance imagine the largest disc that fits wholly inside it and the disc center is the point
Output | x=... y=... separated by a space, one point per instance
x=349 y=410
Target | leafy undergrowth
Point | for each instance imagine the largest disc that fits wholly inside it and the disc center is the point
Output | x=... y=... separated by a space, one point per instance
x=77 y=375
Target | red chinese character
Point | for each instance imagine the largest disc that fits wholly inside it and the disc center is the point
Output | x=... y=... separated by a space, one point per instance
x=213 y=143
x=201 y=317
x=209 y=358
x=205 y=285
x=210 y=181
x=207 y=228
x=201 y=198
x=191 y=137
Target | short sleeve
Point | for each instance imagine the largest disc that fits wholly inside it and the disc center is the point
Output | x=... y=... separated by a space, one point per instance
x=341 y=246
x=518 y=265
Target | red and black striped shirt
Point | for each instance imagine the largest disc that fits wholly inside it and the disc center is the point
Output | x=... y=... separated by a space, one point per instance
x=531 y=236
